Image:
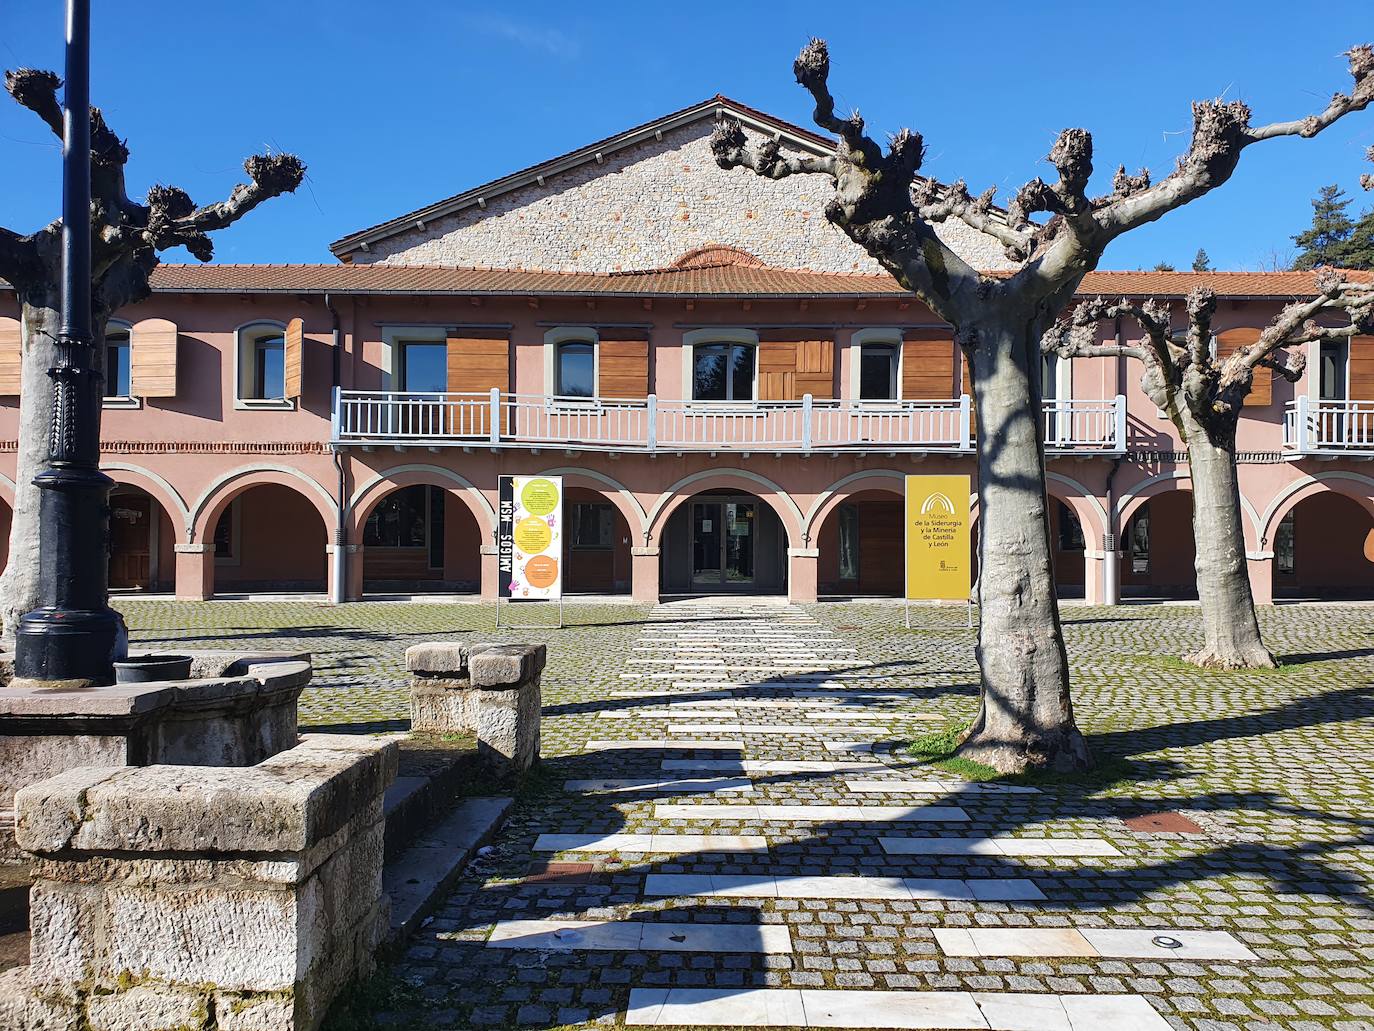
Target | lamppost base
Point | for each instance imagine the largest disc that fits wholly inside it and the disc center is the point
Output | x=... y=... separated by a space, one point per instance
x=70 y=645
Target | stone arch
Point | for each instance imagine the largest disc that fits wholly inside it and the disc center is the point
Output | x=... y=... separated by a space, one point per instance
x=1295 y=493
x=420 y=474
x=157 y=486
x=710 y=479
x=1085 y=505
x=203 y=514
x=827 y=501
x=618 y=495
x=1178 y=479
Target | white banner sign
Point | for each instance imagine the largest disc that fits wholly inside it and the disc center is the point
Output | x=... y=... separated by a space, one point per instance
x=530 y=538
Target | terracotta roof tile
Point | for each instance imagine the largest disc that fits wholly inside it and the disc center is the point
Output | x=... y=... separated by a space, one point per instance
x=715 y=280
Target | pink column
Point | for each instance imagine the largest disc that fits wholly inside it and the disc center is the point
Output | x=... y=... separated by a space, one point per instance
x=490 y=572
x=353 y=587
x=803 y=571
x=195 y=572
x=1260 y=565
x=644 y=575
x=1093 y=562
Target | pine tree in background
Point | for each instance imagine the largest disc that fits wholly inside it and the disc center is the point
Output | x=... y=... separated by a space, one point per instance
x=1325 y=242
x=1164 y=266
x=1202 y=263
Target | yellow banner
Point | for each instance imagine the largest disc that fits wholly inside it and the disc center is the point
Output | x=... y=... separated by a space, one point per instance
x=938 y=555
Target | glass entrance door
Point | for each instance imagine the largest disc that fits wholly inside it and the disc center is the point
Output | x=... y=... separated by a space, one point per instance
x=723 y=543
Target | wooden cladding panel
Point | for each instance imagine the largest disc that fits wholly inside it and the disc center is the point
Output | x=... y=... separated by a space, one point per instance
x=623 y=368
x=1361 y=386
x=1262 y=385
x=11 y=350
x=928 y=365
x=790 y=369
x=153 y=359
x=476 y=365
x=293 y=359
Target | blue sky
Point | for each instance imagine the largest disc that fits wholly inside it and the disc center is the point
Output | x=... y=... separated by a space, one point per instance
x=394 y=105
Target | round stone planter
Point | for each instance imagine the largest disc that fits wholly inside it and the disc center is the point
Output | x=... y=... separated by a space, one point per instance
x=152 y=669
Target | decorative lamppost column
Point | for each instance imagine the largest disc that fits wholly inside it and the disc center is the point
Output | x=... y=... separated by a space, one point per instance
x=74 y=637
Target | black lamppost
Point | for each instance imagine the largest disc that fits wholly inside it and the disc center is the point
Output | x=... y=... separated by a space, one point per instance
x=74 y=636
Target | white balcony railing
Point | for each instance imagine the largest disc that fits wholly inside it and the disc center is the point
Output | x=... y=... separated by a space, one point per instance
x=653 y=424
x=1328 y=427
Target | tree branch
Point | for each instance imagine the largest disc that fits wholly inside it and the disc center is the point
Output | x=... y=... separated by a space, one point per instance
x=173 y=220
x=873 y=201
x=938 y=203
x=37 y=90
x=1221 y=131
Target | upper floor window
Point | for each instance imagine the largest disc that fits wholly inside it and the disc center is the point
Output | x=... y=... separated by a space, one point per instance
x=576 y=369
x=723 y=372
x=1331 y=370
x=262 y=363
x=1049 y=377
x=878 y=372
x=424 y=366
x=118 y=364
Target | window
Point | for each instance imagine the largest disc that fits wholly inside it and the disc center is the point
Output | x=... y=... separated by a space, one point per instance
x=424 y=366
x=877 y=372
x=1332 y=362
x=1286 y=546
x=576 y=369
x=849 y=542
x=1049 y=377
x=1070 y=530
x=400 y=520
x=262 y=364
x=1138 y=540
x=590 y=526
x=118 y=370
x=723 y=372
x=226 y=539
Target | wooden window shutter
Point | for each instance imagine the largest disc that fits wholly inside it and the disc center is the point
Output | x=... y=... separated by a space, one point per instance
x=791 y=369
x=777 y=370
x=1361 y=378
x=815 y=369
x=11 y=351
x=1262 y=385
x=293 y=358
x=928 y=365
x=623 y=364
x=476 y=365
x=153 y=359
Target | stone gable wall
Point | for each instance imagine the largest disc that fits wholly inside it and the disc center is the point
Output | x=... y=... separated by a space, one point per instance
x=645 y=207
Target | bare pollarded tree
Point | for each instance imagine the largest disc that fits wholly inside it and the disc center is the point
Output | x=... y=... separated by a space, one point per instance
x=1203 y=393
x=126 y=237
x=880 y=201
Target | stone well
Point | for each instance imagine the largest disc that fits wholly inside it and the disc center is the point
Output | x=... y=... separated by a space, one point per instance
x=236 y=710
x=191 y=898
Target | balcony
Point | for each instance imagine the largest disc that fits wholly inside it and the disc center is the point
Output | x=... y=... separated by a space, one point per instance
x=1329 y=428
x=370 y=418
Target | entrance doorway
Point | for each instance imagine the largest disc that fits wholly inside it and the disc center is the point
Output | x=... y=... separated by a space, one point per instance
x=723 y=543
x=131 y=540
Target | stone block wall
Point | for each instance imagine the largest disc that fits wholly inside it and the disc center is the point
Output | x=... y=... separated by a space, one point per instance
x=177 y=897
x=491 y=690
x=645 y=207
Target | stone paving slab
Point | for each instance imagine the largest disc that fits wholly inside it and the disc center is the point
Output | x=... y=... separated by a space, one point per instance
x=1272 y=766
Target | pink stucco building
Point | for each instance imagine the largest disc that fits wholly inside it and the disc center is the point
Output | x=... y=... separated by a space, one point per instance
x=731 y=389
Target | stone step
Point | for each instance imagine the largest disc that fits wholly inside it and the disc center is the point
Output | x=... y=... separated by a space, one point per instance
x=417 y=879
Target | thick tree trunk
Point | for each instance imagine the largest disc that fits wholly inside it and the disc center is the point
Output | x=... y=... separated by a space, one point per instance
x=19 y=586
x=1025 y=718
x=1229 y=625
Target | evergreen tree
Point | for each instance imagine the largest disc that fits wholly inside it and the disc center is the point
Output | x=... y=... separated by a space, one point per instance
x=1324 y=243
x=1164 y=266
x=1202 y=263
x=1358 y=251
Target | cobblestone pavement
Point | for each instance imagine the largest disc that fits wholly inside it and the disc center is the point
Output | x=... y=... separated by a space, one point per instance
x=803 y=908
